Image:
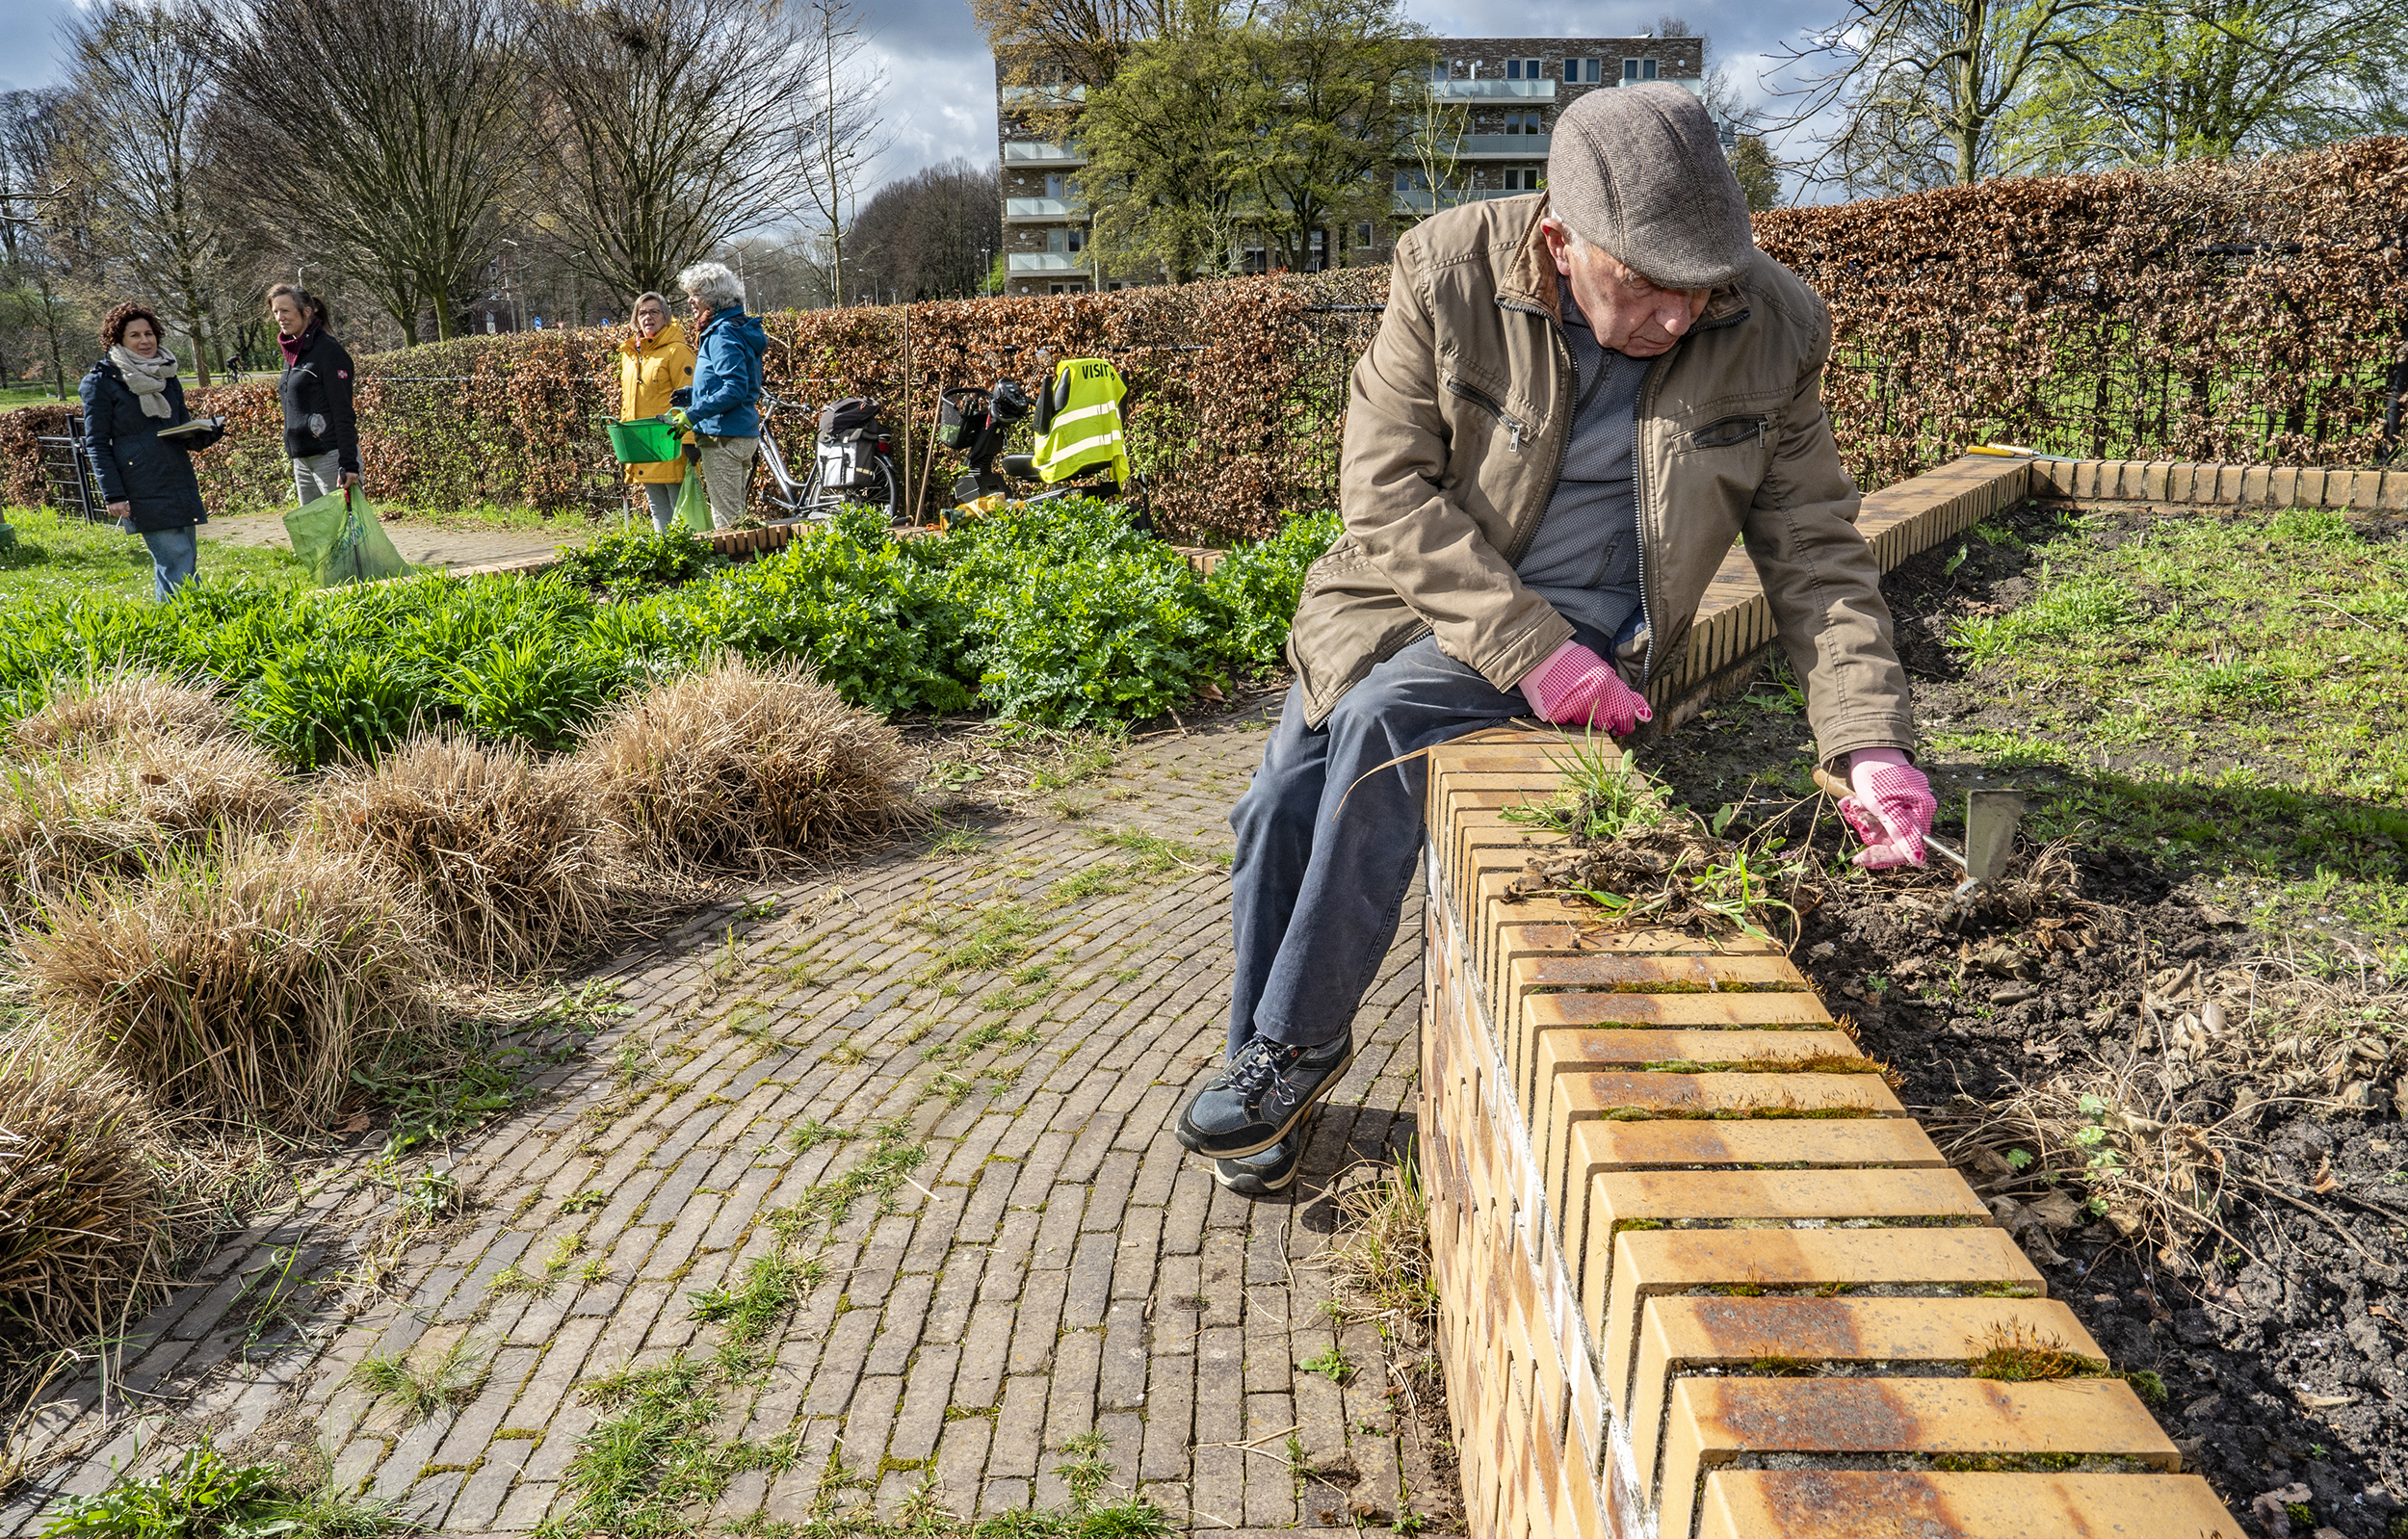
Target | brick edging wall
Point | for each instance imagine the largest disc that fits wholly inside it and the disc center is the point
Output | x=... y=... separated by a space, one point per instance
x=1646 y=1219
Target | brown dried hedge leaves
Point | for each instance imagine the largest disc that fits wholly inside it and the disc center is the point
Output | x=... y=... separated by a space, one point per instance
x=2244 y=312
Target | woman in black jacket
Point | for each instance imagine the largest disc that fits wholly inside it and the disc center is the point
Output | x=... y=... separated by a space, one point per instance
x=319 y=432
x=129 y=397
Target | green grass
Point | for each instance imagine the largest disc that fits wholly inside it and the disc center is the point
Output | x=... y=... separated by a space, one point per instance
x=2218 y=692
x=15 y=396
x=2225 y=692
x=57 y=556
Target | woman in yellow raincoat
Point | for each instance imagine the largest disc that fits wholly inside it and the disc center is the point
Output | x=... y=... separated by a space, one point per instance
x=654 y=360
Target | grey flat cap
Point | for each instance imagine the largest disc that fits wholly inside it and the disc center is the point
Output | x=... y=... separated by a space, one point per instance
x=1640 y=171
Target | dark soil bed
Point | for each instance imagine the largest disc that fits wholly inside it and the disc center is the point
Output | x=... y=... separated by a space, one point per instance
x=2247 y=1237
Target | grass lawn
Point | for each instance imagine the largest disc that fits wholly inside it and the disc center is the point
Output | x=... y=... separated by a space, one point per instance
x=55 y=555
x=15 y=396
x=2221 y=692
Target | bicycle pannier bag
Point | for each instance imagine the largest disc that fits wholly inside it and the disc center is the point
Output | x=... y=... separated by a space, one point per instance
x=853 y=417
x=849 y=464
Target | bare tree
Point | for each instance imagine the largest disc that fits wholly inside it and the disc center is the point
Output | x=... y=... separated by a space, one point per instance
x=1923 y=87
x=1071 y=42
x=1435 y=145
x=670 y=127
x=391 y=132
x=844 y=134
x=135 y=153
x=930 y=236
x=32 y=124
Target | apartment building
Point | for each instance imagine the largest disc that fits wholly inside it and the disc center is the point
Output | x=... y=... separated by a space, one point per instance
x=1511 y=87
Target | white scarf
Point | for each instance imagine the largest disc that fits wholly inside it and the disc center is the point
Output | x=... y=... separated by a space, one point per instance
x=148 y=377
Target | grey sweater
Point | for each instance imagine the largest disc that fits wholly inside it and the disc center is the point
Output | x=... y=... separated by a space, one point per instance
x=1584 y=557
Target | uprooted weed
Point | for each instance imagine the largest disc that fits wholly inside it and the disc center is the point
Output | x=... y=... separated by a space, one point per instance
x=1643 y=859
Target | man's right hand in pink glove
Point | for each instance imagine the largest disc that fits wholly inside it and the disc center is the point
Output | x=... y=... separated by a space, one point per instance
x=1891 y=809
x=1576 y=687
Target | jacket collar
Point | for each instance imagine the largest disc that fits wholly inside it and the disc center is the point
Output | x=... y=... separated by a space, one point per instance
x=669 y=335
x=1529 y=282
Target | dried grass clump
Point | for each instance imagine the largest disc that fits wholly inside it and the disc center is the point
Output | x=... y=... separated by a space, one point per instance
x=244 y=986
x=72 y=818
x=505 y=855
x=80 y=1205
x=741 y=764
x=124 y=707
x=56 y=834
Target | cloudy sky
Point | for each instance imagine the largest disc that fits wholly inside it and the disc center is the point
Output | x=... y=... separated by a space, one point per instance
x=941 y=85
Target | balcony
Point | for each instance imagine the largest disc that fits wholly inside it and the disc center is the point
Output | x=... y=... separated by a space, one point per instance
x=1040 y=262
x=1035 y=152
x=1041 y=95
x=1505 y=146
x=1493 y=90
x=1019 y=210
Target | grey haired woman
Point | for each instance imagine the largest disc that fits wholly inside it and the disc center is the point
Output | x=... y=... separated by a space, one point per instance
x=722 y=408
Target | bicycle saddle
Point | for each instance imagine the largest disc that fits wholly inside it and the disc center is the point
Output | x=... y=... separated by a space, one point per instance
x=1021 y=466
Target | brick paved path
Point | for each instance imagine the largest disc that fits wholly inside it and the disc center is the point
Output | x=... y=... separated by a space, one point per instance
x=1055 y=1266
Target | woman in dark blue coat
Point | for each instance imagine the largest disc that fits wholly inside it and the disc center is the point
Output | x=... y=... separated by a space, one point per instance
x=129 y=397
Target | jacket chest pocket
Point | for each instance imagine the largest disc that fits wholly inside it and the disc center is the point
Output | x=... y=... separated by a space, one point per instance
x=1482 y=401
x=1748 y=430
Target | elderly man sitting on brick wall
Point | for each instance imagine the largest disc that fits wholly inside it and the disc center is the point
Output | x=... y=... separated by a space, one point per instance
x=1575 y=403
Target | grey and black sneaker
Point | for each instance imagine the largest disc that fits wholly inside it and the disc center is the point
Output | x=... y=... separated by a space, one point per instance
x=1260 y=1096
x=1265 y=1174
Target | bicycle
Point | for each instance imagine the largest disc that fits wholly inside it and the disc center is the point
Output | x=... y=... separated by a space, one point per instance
x=841 y=474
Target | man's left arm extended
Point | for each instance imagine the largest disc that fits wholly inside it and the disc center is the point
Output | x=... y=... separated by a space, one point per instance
x=1824 y=586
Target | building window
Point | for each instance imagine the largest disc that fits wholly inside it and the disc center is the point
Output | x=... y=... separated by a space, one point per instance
x=1525 y=69
x=1363 y=232
x=1590 y=68
x=1056 y=185
x=1065 y=242
x=1526 y=122
x=1634 y=70
x=1521 y=178
x=1412 y=181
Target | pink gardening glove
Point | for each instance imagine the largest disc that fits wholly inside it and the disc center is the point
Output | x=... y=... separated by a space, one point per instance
x=1576 y=687
x=1892 y=810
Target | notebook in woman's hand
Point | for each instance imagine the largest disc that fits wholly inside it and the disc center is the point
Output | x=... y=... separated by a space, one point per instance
x=193 y=428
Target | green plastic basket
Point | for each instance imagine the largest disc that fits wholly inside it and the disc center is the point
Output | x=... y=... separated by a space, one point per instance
x=644 y=441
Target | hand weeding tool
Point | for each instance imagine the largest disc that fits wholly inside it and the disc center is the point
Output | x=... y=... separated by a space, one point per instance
x=1991 y=819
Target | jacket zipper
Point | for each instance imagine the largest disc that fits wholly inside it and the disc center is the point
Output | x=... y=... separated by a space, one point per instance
x=1512 y=425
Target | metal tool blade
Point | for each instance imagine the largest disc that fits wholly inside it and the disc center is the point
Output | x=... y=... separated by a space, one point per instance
x=1991 y=818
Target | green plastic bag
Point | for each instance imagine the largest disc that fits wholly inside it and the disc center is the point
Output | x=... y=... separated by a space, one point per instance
x=693 y=503
x=338 y=538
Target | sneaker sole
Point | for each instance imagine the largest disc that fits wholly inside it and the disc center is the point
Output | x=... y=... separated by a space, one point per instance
x=1251 y=1185
x=1329 y=1082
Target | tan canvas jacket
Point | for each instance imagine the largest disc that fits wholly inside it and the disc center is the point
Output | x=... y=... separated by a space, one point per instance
x=1456 y=430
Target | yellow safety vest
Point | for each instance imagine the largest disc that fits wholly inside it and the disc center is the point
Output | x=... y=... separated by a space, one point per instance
x=1085 y=429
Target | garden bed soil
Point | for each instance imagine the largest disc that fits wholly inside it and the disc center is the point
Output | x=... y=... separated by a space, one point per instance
x=2279 y=1327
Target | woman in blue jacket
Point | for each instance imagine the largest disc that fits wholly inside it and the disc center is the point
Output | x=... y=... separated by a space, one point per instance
x=721 y=409
x=129 y=397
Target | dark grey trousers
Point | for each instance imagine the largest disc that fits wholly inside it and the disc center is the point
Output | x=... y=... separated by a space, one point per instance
x=1317 y=886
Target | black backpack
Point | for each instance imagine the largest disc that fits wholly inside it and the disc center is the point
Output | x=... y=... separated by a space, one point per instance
x=849 y=419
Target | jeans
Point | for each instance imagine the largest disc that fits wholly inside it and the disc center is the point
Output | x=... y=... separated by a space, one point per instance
x=318 y=476
x=1315 y=888
x=663 y=496
x=173 y=554
x=727 y=472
